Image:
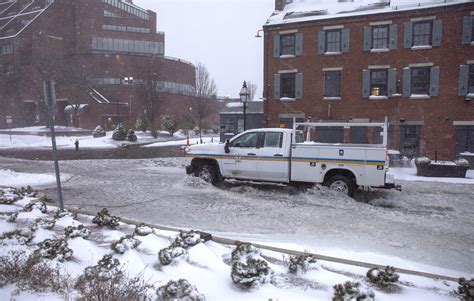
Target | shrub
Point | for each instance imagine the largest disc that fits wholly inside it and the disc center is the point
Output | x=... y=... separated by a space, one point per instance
x=141 y=124
x=98 y=132
x=12 y=216
x=383 y=279
x=465 y=290
x=131 y=136
x=79 y=231
x=166 y=255
x=179 y=290
x=103 y=218
x=63 y=213
x=20 y=237
x=251 y=273
x=462 y=162
x=300 y=263
x=351 y=291
x=44 y=223
x=422 y=161
x=8 y=196
x=242 y=251
x=106 y=281
x=125 y=243
x=54 y=248
x=33 y=275
x=169 y=124
x=36 y=205
x=142 y=230
x=187 y=239
x=119 y=134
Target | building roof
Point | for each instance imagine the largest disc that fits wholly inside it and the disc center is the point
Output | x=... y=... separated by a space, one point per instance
x=16 y=15
x=310 y=10
x=253 y=107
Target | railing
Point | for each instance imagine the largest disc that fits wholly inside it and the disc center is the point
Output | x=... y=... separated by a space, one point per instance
x=178 y=60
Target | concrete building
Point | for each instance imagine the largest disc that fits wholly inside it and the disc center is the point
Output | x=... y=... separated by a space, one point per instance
x=412 y=61
x=232 y=117
x=91 y=48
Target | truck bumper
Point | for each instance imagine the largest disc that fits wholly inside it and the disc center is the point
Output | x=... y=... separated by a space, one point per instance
x=390 y=182
x=189 y=169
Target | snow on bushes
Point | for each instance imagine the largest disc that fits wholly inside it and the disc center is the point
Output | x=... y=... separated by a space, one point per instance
x=54 y=248
x=465 y=290
x=12 y=217
x=300 y=263
x=21 y=237
x=98 y=132
x=64 y=213
x=103 y=218
x=43 y=223
x=461 y=162
x=142 y=230
x=184 y=240
x=36 y=205
x=166 y=255
x=8 y=196
x=131 y=136
x=79 y=231
x=422 y=161
x=351 y=291
x=119 y=134
x=384 y=279
x=179 y=290
x=248 y=270
x=125 y=243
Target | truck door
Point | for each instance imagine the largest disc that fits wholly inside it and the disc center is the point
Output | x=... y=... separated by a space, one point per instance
x=273 y=157
x=241 y=161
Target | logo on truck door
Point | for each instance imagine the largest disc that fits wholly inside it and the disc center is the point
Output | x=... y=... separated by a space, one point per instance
x=312 y=164
x=237 y=159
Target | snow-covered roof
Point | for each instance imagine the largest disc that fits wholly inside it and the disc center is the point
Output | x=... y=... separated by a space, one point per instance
x=253 y=107
x=310 y=10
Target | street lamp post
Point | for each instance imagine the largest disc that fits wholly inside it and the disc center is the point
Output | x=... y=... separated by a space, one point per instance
x=128 y=80
x=244 y=97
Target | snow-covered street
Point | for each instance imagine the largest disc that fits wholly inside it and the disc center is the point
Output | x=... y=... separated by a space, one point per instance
x=428 y=223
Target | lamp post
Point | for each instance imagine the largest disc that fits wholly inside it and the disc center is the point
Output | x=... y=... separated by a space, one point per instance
x=128 y=80
x=244 y=97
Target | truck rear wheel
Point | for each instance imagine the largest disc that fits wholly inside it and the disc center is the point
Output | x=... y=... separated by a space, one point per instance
x=208 y=173
x=342 y=184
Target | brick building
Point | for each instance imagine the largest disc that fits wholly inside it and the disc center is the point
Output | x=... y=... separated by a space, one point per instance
x=360 y=61
x=88 y=47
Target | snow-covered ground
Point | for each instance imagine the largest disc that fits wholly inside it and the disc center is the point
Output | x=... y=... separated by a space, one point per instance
x=409 y=174
x=9 y=178
x=207 y=265
x=67 y=142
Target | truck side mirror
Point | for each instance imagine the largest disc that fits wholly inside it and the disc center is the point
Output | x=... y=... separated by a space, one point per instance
x=226 y=146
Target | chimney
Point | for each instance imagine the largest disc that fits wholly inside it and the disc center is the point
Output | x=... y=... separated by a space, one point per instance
x=280 y=4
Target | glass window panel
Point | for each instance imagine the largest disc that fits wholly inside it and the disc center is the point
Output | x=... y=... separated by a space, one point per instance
x=246 y=140
x=333 y=41
x=332 y=83
x=378 y=82
x=272 y=139
x=471 y=78
x=287 y=44
x=420 y=80
x=422 y=33
x=380 y=37
x=287 y=85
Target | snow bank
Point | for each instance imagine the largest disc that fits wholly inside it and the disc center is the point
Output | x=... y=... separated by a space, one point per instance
x=11 y=178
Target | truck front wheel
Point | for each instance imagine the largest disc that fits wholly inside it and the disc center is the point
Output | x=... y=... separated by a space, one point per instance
x=208 y=173
x=342 y=184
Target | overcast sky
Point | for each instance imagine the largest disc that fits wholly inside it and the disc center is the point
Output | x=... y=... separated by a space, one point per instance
x=218 y=33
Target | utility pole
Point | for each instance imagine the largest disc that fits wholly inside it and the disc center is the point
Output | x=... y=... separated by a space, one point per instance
x=50 y=97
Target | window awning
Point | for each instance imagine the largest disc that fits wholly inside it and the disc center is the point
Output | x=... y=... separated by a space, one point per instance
x=69 y=109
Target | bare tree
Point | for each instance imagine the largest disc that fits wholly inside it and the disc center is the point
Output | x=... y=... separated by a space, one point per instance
x=206 y=90
x=252 y=87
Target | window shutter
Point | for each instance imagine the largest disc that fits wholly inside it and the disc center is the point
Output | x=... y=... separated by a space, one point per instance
x=299 y=85
x=408 y=35
x=437 y=32
x=299 y=44
x=406 y=82
x=345 y=40
x=392 y=82
x=393 y=36
x=276 y=86
x=467 y=30
x=463 y=80
x=367 y=38
x=321 y=42
x=365 y=83
x=434 y=81
x=276 y=45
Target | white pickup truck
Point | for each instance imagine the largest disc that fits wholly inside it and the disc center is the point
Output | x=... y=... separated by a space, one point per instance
x=283 y=156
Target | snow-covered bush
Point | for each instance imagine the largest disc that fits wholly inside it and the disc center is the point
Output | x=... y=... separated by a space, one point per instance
x=8 y=196
x=79 y=231
x=106 y=281
x=131 y=135
x=12 y=216
x=166 y=255
x=300 y=263
x=250 y=273
x=465 y=290
x=125 y=243
x=187 y=239
x=169 y=124
x=64 y=213
x=142 y=230
x=243 y=251
x=119 y=134
x=21 y=237
x=98 y=132
x=422 y=161
x=351 y=291
x=54 y=248
x=44 y=223
x=462 y=162
x=36 y=205
x=103 y=218
x=384 y=279
x=179 y=290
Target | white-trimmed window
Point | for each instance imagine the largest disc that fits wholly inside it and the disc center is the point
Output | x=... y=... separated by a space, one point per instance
x=380 y=36
x=421 y=81
x=287 y=44
x=333 y=41
x=332 y=84
x=423 y=33
x=288 y=85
